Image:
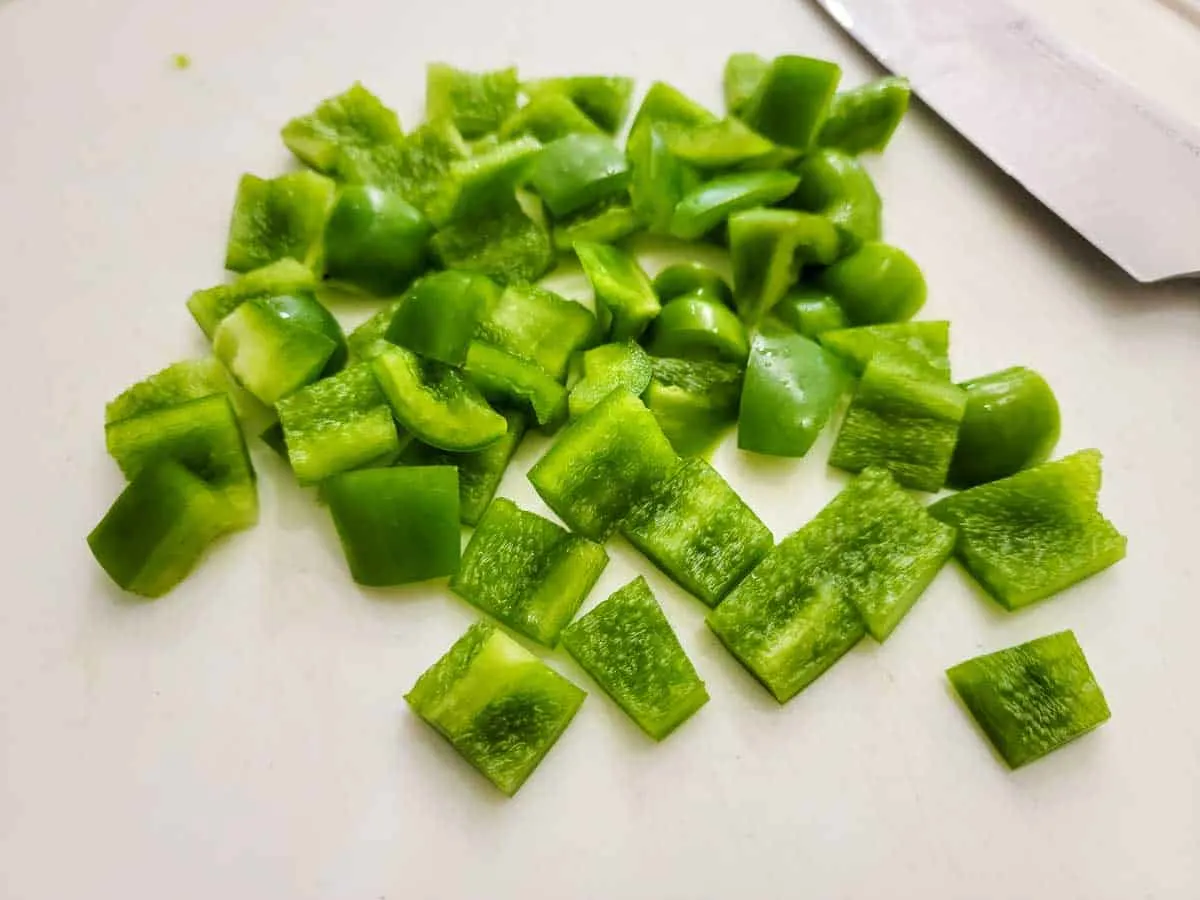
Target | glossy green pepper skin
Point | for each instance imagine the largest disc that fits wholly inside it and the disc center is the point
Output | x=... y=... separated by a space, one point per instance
x=621 y=287
x=697 y=327
x=664 y=103
x=767 y=246
x=810 y=311
x=438 y=316
x=706 y=207
x=604 y=99
x=838 y=187
x=744 y=72
x=374 y=240
x=877 y=283
x=864 y=119
x=1011 y=422
x=693 y=401
x=304 y=310
x=724 y=144
x=682 y=278
x=792 y=99
x=578 y=171
x=658 y=180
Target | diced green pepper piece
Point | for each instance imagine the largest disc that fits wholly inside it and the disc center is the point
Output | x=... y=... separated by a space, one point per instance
x=837 y=187
x=548 y=116
x=527 y=572
x=658 y=180
x=697 y=327
x=696 y=528
x=810 y=311
x=1032 y=698
x=481 y=184
x=1033 y=534
x=744 y=72
x=351 y=124
x=723 y=144
x=680 y=279
x=664 y=104
x=397 y=525
x=479 y=473
x=903 y=420
x=602 y=464
x=767 y=247
x=157 y=529
x=365 y=341
x=508 y=379
x=476 y=102
x=791 y=389
x=278 y=218
x=924 y=346
x=536 y=324
x=876 y=283
x=603 y=98
x=622 y=287
x=375 y=240
x=337 y=423
x=436 y=403
x=707 y=206
x=415 y=167
x=208 y=307
x=578 y=171
x=440 y=313
x=607 y=368
x=606 y=223
x=628 y=646
x=191 y=379
x=693 y=401
x=865 y=118
x=1011 y=423
x=497 y=704
x=507 y=245
x=792 y=99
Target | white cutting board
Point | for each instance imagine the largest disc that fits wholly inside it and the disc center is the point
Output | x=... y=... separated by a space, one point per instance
x=245 y=737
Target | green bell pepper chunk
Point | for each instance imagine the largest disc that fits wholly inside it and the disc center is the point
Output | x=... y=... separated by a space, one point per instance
x=476 y=102
x=864 y=119
x=336 y=424
x=767 y=248
x=415 y=167
x=622 y=287
x=536 y=324
x=791 y=389
x=658 y=179
x=397 y=525
x=680 y=279
x=697 y=327
x=603 y=98
x=365 y=341
x=278 y=218
x=810 y=312
x=923 y=346
x=436 y=403
x=474 y=187
x=548 y=116
x=1032 y=698
x=578 y=171
x=1011 y=423
x=903 y=420
x=209 y=306
x=792 y=99
x=497 y=704
x=508 y=379
x=664 y=104
x=507 y=245
x=876 y=283
x=710 y=204
x=724 y=144
x=837 y=187
x=157 y=529
x=1033 y=534
x=744 y=72
x=693 y=401
x=374 y=240
x=697 y=530
x=351 y=124
x=527 y=572
x=627 y=645
x=190 y=379
x=440 y=313
x=605 y=223
x=602 y=464
x=607 y=368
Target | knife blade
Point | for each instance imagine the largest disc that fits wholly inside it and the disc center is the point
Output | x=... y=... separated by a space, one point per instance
x=1123 y=174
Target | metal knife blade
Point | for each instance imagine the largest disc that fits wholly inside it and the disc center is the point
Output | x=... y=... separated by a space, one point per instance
x=1089 y=147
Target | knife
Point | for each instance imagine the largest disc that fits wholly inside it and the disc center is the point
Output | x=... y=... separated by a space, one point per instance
x=1099 y=155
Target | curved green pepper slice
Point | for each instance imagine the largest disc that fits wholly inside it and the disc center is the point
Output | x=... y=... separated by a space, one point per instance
x=697 y=327
x=837 y=187
x=603 y=98
x=438 y=315
x=743 y=74
x=209 y=306
x=876 y=283
x=578 y=171
x=505 y=378
x=375 y=240
x=679 y=279
x=621 y=287
x=707 y=206
x=810 y=311
x=767 y=247
x=865 y=118
x=792 y=99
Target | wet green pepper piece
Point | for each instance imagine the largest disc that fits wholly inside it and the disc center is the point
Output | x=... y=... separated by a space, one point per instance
x=876 y=283
x=476 y=102
x=506 y=244
x=190 y=379
x=863 y=119
x=365 y=341
x=1032 y=698
x=416 y=167
x=697 y=327
x=603 y=98
x=527 y=572
x=697 y=530
x=374 y=240
x=792 y=100
x=536 y=324
x=602 y=464
x=605 y=223
x=626 y=644
x=710 y=204
x=439 y=315
x=810 y=312
x=791 y=389
x=607 y=368
x=837 y=187
x=548 y=116
x=1011 y=423
x=278 y=218
x=1033 y=534
x=483 y=182
x=767 y=248
x=723 y=144
x=658 y=179
x=508 y=379
x=621 y=286
x=578 y=171
x=903 y=420
x=924 y=345
x=352 y=124
x=693 y=401
x=679 y=279
x=497 y=704
x=664 y=103
x=397 y=525
x=208 y=307
x=744 y=72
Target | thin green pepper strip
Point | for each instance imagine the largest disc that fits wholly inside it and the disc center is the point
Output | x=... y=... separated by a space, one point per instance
x=865 y=118
x=710 y=204
x=837 y=187
x=621 y=286
x=767 y=248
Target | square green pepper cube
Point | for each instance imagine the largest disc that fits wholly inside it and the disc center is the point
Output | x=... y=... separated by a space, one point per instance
x=476 y=102
x=696 y=528
x=903 y=420
x=397 y=525
x=579 y=171
x=181 y=382
x=352 y=123
x=414 y=167
x=527 y=572
x=628 y=646
x=1032 y=698
x=603 y=464
x=792 y=99
x=504 y=242
x=438 y=315
x=536 y=324
x=278 y=218
x=1033 y=534
x=497 y=704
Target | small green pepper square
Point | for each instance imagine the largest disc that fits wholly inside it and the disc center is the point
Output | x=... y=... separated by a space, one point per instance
x=476 y=102
x=278 y=218
x=351 y=124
